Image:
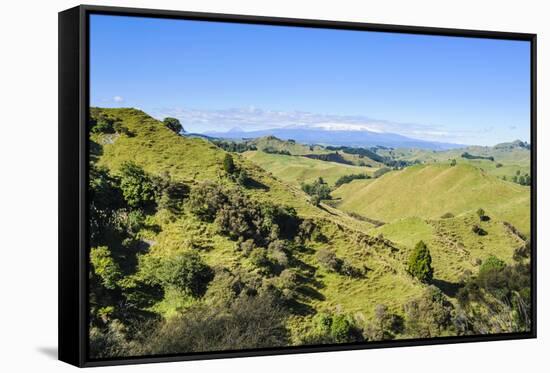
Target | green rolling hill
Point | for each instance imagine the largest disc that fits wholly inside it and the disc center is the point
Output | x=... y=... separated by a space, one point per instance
x=157 y=150
x=296 y=170
x=429 y=191
x=333 y=264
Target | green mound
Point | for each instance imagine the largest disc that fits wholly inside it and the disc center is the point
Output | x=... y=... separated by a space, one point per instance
x=297 y=170
x=429 y=191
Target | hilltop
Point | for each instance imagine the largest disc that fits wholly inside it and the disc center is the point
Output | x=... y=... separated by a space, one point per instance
x=296 y=170
x=431 y=190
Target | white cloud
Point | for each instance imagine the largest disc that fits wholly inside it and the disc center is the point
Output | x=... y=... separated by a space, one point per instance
x=118 y=99
x=252 y=118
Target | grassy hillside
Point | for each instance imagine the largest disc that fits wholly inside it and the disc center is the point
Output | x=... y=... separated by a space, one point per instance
x=192 y=160
x=509 y=158
x=429 y=191
x=167 y=208
x=503 y=153
x=455 y=248
x=271 y=144
x=296 y=169
x=294 y=148
x=165 y=234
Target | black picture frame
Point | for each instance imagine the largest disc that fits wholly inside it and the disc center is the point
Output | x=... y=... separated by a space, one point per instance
x=73 y=178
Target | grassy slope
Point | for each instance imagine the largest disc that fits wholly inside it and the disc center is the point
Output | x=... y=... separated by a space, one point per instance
x=295 y=148
x=429 y=191
x=453 y=245
x=513 y=159
x=157 y=149
x=296 y=169
x=519 y=156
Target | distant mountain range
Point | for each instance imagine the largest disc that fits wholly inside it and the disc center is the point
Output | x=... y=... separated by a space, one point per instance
x=363 y=138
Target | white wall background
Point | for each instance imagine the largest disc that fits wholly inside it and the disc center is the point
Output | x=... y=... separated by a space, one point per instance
x=28 y=184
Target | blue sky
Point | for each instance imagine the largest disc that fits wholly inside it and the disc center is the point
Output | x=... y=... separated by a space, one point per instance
x=215 y=76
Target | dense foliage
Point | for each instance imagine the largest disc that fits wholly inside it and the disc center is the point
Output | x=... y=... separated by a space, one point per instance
x=318 y=190
x=471 y=156
x=173 y=124
x=349 y=178
x=194 y=249
x=234 y=147
x=420 y=263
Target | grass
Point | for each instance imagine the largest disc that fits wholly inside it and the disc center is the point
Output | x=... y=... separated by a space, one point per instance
x=409 y=201
x=159 y=150
x=454 y=247
x=429 y=191
x=517 y=155
x=297 y=170
x=294 y=148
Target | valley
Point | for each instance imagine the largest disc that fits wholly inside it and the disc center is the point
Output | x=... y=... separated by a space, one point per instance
x=307 y=243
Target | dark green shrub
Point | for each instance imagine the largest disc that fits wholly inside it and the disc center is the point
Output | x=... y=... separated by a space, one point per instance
x=186 y=272
x=135 y=220
x=101 y=124
x=173 y=195
x=105 y=267
x=121 y=129
x=329 y=260
x=349 y=178
x=229 y=164
x=420 y=263
x=137 y=188
x=429 y=315
x=339 y=328
x=347 y=269
x=205 y=199
x=173 y=124
x=318 y=189
x=258 y=257
x=478 y=230
x=249 y=322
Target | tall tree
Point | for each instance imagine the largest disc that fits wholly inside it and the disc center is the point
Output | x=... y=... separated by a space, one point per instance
x=420 y=263
x=229 y=164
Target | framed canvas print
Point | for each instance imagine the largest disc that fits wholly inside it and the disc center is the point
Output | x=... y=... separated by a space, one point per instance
x=239 y=186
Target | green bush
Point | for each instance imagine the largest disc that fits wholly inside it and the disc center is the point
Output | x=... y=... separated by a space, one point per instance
x=121 y=129
x=205 y=200
x=258 y=257
x=229 y=164
x=478 y=230
x=504 y=291
x=349 y=178
x=173 y=124
x=105 y=267
x=105 y=199
x=318 y=189
x=186 y=272
x=249 y=322
x=137 y=188
x=135 y=220
x=420 y=263
x=428 y=315
x=339 y=328
x=101 y=124
x=329 y=260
